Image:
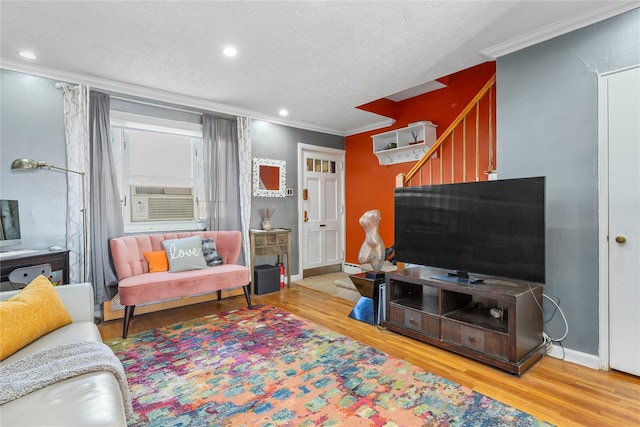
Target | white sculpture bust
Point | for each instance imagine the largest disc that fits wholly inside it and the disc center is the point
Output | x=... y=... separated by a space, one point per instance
x=372 y=250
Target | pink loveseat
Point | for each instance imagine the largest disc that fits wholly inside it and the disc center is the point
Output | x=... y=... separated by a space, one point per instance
x=137 y=285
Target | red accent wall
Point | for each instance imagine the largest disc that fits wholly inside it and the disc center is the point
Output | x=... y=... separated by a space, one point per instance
x=369 y=185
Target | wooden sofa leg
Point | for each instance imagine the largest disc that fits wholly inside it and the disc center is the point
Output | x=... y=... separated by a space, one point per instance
x=128 y=314
x=247 y=295
x=219 y=295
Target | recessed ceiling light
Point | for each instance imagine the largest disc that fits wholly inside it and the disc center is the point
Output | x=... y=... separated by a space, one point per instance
x=283 y=112
x=230 y=51
x=27 y=55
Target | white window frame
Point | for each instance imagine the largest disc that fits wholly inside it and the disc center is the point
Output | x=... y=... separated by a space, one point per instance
x=128 y=121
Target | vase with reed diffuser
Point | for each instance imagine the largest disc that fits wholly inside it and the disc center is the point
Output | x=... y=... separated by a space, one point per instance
x=265 y=215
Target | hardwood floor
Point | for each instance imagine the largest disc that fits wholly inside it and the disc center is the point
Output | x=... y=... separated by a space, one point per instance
x=558 y=392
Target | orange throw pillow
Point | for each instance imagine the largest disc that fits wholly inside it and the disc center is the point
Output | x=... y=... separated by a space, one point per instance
x=157 y=261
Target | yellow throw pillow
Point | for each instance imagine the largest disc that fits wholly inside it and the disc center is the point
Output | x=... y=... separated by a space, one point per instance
x=33 y=312
x=157 y=261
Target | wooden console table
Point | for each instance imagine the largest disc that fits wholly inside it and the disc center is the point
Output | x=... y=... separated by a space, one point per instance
x=425 y=304
x=275 y=242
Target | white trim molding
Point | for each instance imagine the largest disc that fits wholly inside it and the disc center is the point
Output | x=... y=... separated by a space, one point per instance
x=603 y=221
x=548 y=32
x=373 y=126
x=577 y=357
x=154 y=94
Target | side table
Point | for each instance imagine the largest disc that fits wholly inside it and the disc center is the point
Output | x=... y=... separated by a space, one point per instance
x=275 y=242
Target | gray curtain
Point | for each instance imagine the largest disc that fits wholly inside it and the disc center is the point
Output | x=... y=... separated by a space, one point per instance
x=222 y=171
x=104 y=199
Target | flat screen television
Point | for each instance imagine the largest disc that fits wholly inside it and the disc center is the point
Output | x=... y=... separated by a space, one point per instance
x=9 y=223
x=494 y=228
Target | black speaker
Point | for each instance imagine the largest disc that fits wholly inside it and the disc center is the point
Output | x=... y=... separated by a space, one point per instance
x=266 y=279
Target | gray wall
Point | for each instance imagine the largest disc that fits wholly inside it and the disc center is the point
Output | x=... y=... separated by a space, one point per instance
x=173 y=112
x=272 y=141
x=32 y=120
x=548 y=125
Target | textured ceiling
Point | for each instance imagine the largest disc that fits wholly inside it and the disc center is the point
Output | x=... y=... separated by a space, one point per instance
x=320 y=60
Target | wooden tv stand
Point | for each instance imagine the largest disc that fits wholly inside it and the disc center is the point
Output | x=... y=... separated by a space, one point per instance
x=448 y=313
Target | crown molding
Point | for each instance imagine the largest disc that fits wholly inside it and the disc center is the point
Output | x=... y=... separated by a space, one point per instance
x=563 y=27
x=370 y=127
x=155 y=94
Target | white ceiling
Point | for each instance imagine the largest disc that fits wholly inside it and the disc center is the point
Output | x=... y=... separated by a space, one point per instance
x=320 y=60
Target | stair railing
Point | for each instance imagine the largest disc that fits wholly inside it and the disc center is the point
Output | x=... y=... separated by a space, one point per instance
x=483 y=138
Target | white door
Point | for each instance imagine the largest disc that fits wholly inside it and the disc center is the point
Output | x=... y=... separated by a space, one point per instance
x=623 y=92
x=322 y=209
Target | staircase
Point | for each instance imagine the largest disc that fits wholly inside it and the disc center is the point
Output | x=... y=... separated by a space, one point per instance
x=466 y=150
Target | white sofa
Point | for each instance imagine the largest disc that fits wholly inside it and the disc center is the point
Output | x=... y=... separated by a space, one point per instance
x=92 y=399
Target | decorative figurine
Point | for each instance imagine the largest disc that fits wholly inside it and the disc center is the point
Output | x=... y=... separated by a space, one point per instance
x=372 y=250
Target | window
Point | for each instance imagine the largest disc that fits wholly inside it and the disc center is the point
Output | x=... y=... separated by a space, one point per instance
x=321 y=165
x=159 y=167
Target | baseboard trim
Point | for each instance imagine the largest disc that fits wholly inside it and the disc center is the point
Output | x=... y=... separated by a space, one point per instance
x=574 y=356
x=321 y=270
x=351 y=268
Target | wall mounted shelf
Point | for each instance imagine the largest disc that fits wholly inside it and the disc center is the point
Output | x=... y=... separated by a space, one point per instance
x=407 y=144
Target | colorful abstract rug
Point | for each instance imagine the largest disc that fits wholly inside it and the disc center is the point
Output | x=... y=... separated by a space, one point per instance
x=266 y=367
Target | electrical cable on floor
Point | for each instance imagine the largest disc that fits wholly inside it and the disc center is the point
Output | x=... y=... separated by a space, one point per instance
x=548 y=339
x=385 y=330
x=566 y=325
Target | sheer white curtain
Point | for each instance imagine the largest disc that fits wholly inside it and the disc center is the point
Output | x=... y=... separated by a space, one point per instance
x=76 y=124
x=244 y=157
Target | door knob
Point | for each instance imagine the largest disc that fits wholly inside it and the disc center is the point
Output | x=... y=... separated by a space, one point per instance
x=621 y=239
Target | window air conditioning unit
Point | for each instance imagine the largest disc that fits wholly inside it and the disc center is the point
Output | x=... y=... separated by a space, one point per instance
x=161 y=203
